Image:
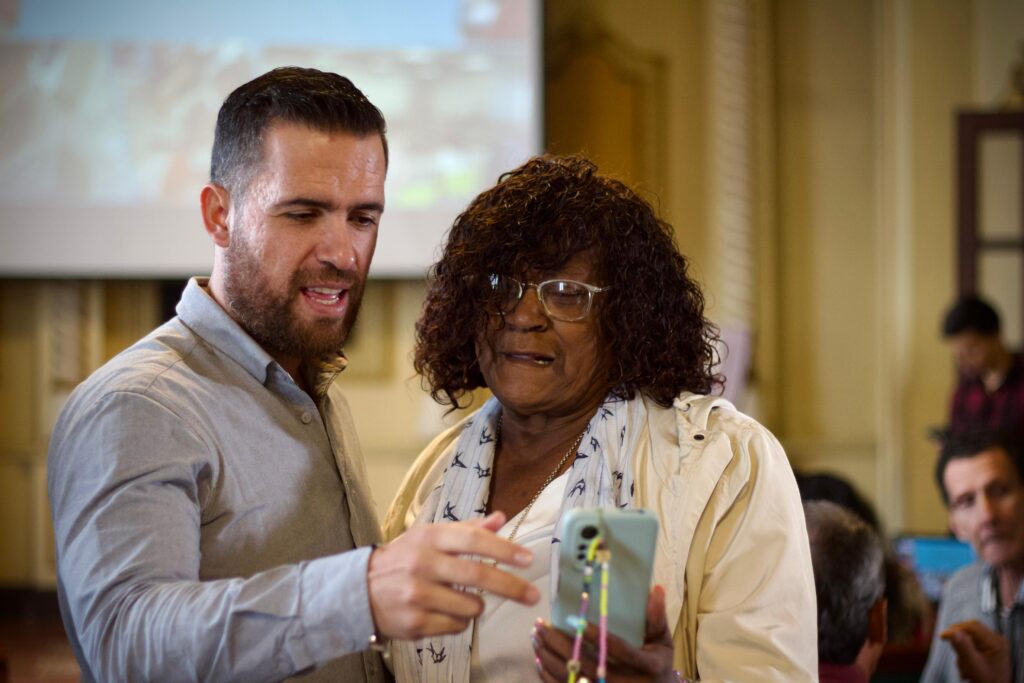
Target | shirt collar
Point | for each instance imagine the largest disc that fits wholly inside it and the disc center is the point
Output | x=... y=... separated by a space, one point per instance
x=990 y=591
x=200 y=312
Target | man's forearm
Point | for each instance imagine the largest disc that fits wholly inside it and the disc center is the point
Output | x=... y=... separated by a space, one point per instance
x=267 y=627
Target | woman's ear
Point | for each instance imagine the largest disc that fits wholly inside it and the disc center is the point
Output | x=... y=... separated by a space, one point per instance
x=216 y=204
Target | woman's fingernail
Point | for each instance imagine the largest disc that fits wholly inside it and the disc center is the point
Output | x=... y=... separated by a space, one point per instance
x=536 y=660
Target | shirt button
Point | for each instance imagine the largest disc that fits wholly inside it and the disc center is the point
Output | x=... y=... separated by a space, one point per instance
x=306 y=418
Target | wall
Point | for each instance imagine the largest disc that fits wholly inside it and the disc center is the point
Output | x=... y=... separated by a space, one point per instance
x=644 y=36
x=826 y=105
x=867 y=94
x=959 y=56
x=939 y=54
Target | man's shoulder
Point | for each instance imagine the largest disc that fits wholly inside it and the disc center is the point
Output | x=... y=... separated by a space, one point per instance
x=969 y=575
x=138 y=366
x=151 y=381
x=961 y=594
x=163 y=365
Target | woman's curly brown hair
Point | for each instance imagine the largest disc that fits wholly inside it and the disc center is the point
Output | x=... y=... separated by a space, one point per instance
x=536 y=219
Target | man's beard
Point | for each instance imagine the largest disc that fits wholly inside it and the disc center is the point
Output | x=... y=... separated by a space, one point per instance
x=269 y=316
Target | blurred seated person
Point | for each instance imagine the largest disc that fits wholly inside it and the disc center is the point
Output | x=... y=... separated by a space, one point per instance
x=990 y=392
x=849 y=581
x=561 y=292
x=980 y=631
x=836 y=489
x=910 y=615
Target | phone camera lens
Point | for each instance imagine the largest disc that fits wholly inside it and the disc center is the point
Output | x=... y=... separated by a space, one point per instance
x=589 y=532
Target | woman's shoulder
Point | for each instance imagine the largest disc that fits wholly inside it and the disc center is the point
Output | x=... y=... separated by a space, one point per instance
x=701 y=433
x=714 y=414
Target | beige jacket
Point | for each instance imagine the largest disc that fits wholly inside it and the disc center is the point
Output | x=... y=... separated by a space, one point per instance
x=732 y=554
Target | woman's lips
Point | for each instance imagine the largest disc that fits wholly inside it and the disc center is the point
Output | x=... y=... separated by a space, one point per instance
x=527 y=357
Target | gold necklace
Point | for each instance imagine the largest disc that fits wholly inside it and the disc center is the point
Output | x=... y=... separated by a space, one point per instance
x=551 y=477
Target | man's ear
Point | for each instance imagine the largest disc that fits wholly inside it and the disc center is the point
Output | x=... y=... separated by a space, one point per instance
x=216 y=204
x=878 y=622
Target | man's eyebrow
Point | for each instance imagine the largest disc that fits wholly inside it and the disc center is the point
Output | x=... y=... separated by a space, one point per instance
x=369 y=206
x=310 y=203
x=306 y=202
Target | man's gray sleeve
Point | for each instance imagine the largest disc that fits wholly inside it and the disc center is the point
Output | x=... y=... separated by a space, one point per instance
x=126 y=481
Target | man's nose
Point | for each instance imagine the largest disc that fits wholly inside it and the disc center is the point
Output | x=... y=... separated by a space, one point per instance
x=986 y=508
x=335 y=246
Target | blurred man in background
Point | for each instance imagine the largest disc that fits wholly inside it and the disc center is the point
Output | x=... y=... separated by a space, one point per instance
x=849 y=581
x=990 y=392
x=980 y=632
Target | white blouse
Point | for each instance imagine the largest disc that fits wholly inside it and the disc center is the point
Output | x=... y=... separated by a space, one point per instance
x=501 y=636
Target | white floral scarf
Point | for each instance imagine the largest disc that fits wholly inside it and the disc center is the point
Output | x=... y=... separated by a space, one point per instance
x=601 y=475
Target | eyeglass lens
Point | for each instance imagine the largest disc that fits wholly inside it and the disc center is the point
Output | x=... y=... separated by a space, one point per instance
x=562 y=299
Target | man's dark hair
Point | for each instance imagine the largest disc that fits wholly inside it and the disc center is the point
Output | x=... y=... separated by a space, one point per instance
x=822 y=486
x=321 y=100
x=969 y=443
x=970 y=314
x=848 y=578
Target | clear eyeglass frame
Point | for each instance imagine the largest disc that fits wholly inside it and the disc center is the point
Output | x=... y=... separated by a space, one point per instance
x=569 y=312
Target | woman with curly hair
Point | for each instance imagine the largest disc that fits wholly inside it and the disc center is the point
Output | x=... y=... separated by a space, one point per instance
x=561 y=292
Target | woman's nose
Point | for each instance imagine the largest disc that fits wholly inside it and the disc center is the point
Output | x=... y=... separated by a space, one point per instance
x=528 y=313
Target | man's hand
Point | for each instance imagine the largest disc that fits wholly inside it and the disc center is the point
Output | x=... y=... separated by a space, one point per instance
x=652 y=662
x=412 y=580
x=982 y=655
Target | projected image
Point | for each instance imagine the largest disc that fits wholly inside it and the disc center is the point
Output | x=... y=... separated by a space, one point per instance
x=107 y=112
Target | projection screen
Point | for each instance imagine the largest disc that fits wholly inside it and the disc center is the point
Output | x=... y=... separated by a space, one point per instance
x=107 y=110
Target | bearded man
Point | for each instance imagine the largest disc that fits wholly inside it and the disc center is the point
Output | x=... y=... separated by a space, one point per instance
x=209 y=498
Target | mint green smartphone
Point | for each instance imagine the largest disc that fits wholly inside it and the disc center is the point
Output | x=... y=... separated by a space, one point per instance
x=631 y=536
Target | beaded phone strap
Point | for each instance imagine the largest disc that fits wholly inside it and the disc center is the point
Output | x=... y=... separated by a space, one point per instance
x=596 y=553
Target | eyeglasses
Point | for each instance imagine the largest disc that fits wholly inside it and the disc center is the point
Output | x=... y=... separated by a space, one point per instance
x=565 y=300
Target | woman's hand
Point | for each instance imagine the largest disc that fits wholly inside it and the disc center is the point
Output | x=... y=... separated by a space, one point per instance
x=651 y=662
